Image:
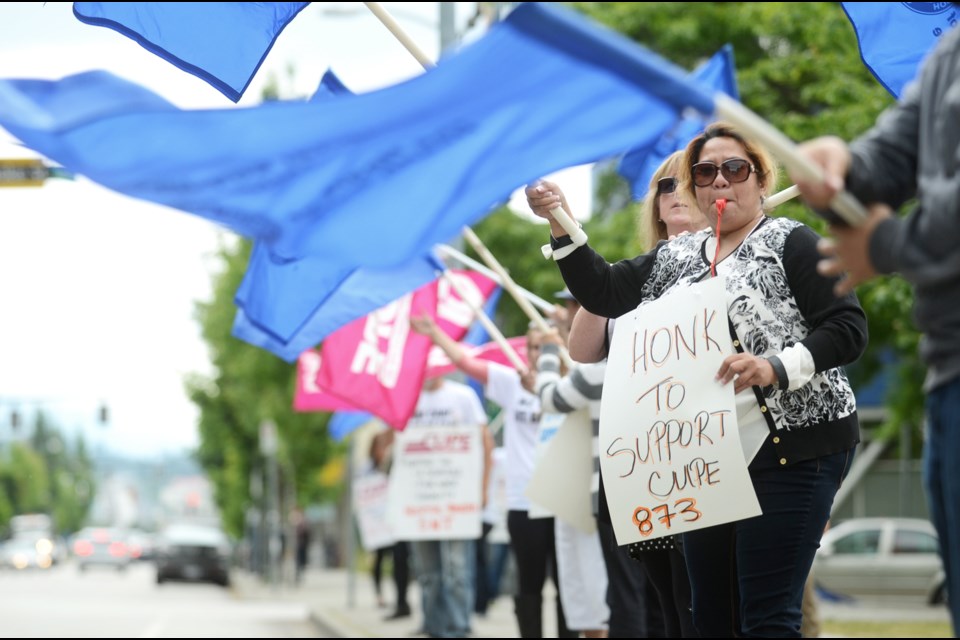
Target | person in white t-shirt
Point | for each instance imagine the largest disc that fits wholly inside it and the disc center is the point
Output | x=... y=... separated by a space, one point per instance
x=445 y=567
x=531 y=539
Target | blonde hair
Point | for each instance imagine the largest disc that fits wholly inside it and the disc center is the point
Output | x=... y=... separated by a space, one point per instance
x=652 y=228
x=763 y=164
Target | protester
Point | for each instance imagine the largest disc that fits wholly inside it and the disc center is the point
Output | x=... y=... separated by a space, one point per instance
x=666 y=214
x=381 y=452
x=445 y=567
x=795 y=408
x=376 y=571
x=663 y=215
x=301 y=531
x=580 y=558
x=489 y=566
x=531 y=539
x=911 y=152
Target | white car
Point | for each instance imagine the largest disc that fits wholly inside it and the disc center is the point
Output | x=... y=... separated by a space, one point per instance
x=881 y=557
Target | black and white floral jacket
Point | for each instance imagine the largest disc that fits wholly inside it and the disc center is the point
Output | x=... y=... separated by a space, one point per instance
x=777 y=299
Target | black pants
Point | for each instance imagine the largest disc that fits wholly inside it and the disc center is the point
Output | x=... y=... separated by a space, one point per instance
x=634 y=607
x=534 y=551
x=401 y=573
x=747 y=577
x=483 y=594
x=667 y=572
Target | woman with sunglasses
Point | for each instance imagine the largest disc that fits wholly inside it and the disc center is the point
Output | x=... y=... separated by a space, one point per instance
x=664 y=214
x=795 y=408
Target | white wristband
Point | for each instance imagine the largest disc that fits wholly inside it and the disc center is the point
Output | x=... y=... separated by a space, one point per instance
x=576 y=240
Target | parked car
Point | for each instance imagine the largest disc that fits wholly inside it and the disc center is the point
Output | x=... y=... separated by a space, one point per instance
x=881 y=556
x=193 y=552
x=101 y=546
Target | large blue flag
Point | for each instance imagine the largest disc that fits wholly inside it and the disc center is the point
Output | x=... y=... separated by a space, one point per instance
x=639 y=164
x=372 y=179
x=358 y=293
x=286 y=306
x=894 y=37
x=223 y=43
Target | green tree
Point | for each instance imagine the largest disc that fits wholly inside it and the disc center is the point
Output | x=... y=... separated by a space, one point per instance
x=250 y=385
x=73 y=483
x=24 y=479
x=42 y=474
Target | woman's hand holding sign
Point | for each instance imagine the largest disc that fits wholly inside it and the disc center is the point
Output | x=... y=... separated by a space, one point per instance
x=746 y=370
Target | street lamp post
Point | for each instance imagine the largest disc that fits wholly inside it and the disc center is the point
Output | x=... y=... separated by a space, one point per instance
x=268 y=447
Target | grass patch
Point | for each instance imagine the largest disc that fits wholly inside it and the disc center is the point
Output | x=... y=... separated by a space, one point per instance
x=862 y=629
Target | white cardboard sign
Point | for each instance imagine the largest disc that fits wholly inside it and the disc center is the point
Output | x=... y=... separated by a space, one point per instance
x=370 y=505
x=436 y=483
x=670 y=449
x=561 y=479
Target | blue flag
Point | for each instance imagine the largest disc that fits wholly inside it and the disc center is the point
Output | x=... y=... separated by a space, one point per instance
x=639 y=164
x=357 y=294
x=343 y=423
x=286 y=306
x=223 y=43
x=370 y=180
x=894 y=37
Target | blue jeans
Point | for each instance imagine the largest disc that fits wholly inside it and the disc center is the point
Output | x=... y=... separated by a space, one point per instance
x=941 y=451
x=445 y=573
x=747 y=577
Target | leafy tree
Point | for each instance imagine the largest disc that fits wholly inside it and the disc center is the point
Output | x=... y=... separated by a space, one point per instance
x=43 y=475
x=73 y=482
x=24 y=477
x=250 y=385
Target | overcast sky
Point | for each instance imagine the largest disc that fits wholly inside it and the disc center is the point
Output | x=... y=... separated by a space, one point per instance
x=97 y=289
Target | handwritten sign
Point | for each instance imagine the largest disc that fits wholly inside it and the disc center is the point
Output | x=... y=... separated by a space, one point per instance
x=436 y=483
x=370 y=500
x=670 y=450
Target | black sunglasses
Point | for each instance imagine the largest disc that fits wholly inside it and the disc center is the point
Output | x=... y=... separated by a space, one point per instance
x=734 y=170
x=666 y=185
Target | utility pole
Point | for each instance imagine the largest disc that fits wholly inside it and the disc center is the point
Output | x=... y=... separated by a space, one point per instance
x=268 y=447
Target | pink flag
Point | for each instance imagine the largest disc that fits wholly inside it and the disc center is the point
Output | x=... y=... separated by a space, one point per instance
x=378 y=363
x=309 y=396
x=439 y=364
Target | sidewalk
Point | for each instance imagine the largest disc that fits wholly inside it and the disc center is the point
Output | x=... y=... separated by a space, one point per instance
x=344 y=606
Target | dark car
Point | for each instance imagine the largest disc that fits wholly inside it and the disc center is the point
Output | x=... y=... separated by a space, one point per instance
x=194 y=553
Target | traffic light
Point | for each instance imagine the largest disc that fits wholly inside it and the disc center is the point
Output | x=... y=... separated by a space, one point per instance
x=104 y=414
x=14 y=419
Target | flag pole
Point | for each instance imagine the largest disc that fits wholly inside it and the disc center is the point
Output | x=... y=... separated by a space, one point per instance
x=510 y=286
x=467 y=261
x=487 y=323
x=844 y=203
x=780 y=197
